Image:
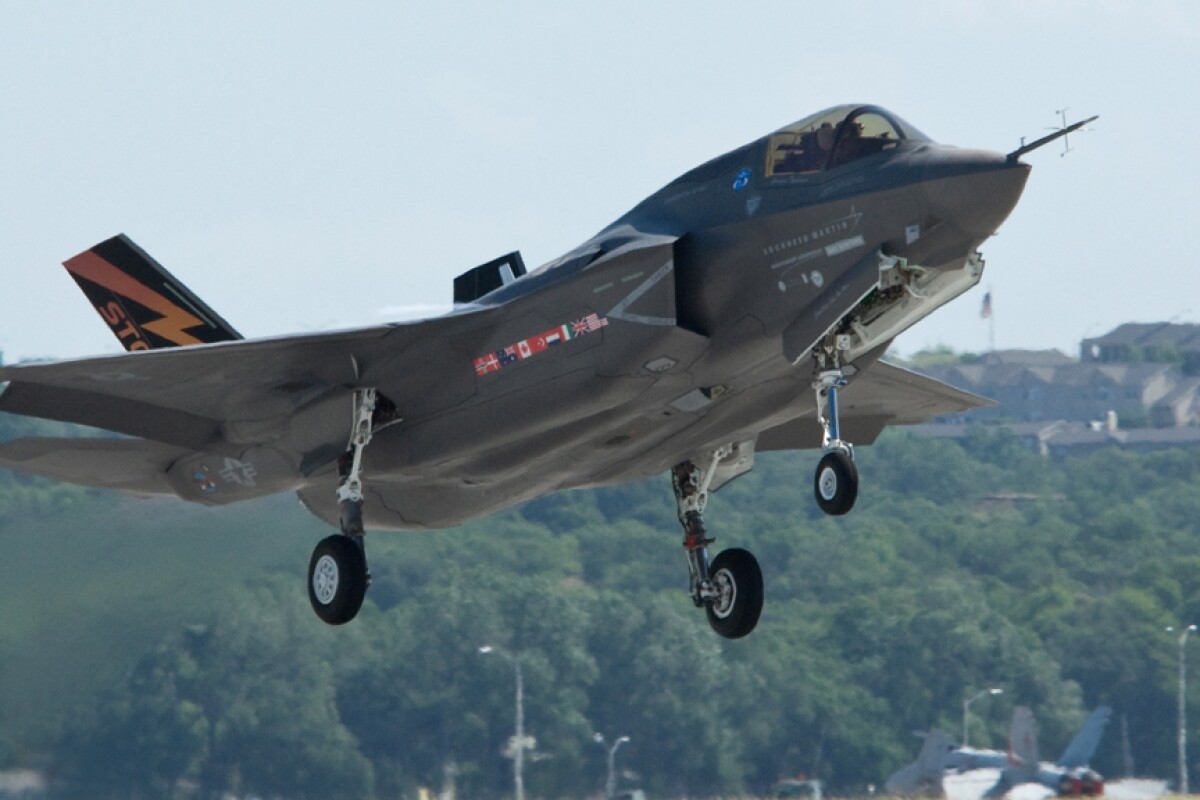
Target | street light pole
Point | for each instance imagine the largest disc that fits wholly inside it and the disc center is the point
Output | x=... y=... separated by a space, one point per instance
x=967 y=709
x=519 y=743
x=1182 y=736
x=610 y=784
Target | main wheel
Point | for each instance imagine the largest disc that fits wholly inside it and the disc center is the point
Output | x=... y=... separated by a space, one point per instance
x=735 y=574
x=836 y=483
x=337 y=579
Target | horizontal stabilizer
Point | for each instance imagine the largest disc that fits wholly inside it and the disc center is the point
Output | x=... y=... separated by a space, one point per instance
x=130 y=465
x=145 y=306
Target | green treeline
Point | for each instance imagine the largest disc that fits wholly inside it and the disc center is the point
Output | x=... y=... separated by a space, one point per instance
x=152 y=649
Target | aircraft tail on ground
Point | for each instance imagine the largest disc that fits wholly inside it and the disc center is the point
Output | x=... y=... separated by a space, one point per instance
x=145 y=306
x=1024 y=766
x=1081 y=749
x=1022 y=738
x=923 y=777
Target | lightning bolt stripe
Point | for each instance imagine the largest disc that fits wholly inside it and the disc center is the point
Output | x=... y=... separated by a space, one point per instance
x=171 y=325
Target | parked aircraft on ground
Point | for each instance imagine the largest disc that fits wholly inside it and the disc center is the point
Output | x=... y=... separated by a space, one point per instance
x=742 y=308
x=1069 y=776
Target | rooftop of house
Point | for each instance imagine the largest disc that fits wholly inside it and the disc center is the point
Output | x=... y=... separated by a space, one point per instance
x=1063 y=435
x=1012 y=371
x=1184 y=336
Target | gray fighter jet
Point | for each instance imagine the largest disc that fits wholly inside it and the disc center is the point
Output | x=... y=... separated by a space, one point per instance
x=741 y=308
x=1070 y=776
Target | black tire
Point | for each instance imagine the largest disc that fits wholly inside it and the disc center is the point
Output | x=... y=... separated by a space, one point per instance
x=836 y=483
x=736 y=575
x=337 y=579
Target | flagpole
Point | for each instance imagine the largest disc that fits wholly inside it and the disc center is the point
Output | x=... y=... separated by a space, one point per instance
x=986 y=311
x=992 y=328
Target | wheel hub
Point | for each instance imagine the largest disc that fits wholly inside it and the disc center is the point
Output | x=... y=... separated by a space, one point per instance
x=325 y=580
x=722 y=604
x=828 y=483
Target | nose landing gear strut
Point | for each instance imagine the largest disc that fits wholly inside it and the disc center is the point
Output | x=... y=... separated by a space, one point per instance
x=836 y=483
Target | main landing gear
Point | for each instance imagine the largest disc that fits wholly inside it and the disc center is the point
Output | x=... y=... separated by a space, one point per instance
x=337 y=572
x=730 y=589
x=836 y=481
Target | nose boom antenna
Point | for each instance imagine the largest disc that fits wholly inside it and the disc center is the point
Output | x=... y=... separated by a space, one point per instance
x=1059 y=133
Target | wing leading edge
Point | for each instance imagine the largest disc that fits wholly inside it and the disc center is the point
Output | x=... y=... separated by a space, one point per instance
x=881 y=395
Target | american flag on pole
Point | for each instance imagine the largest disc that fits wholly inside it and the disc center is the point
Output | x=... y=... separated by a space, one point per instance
x=986 y=310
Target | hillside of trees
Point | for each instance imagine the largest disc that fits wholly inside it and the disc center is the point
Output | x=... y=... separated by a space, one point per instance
x=153 y=649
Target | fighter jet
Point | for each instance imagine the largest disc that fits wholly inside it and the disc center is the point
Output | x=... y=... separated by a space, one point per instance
x=742 y=308
x=1069 y=776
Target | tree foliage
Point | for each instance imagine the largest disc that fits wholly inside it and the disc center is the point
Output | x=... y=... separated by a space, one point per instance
x=963 y=567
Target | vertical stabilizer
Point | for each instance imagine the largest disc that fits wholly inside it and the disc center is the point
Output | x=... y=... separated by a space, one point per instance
x=145 y=306
x=1023 y=763
x=1081 y=749
x=1022 y=738
x=924 y=776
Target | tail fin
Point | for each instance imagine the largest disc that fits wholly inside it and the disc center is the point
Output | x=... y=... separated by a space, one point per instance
x=1022 y=738
x=932 y=758
x=1023 y=764
x=145 y=306
x=1081 y=749
x=923 y=777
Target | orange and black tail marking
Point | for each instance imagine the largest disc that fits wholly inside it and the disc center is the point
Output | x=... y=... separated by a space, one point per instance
x=146 y=307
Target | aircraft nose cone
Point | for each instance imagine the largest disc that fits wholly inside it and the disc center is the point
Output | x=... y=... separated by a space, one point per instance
x=974 y=190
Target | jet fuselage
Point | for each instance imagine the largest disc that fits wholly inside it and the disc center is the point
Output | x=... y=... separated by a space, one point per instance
x=716 y=289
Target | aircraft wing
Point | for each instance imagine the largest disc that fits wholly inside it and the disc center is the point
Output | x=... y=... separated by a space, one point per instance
x=219 y=397
x=882 y=394
x=291 y=393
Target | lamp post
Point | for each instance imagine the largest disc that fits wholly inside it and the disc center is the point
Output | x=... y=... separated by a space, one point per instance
x=1182 y=735
x=967 y=709
x=519 y=743
x=610 y=784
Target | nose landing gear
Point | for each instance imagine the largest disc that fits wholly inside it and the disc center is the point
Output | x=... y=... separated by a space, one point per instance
x=836 y=482
x=730 y=589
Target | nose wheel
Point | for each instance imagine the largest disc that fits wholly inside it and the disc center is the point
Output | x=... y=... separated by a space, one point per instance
x=836 y=483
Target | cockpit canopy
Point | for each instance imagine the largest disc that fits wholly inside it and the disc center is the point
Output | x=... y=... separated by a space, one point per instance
x=835 y=137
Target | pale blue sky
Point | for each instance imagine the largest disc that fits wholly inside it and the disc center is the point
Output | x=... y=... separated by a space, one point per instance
x=307 y=165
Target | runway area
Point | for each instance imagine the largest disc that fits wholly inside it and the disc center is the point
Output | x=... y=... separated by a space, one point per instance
x=971 y=786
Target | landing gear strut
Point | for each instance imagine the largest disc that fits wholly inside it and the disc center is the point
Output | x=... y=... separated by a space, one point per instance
x=836 y=483
x=730 y=589
x=337 y=572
